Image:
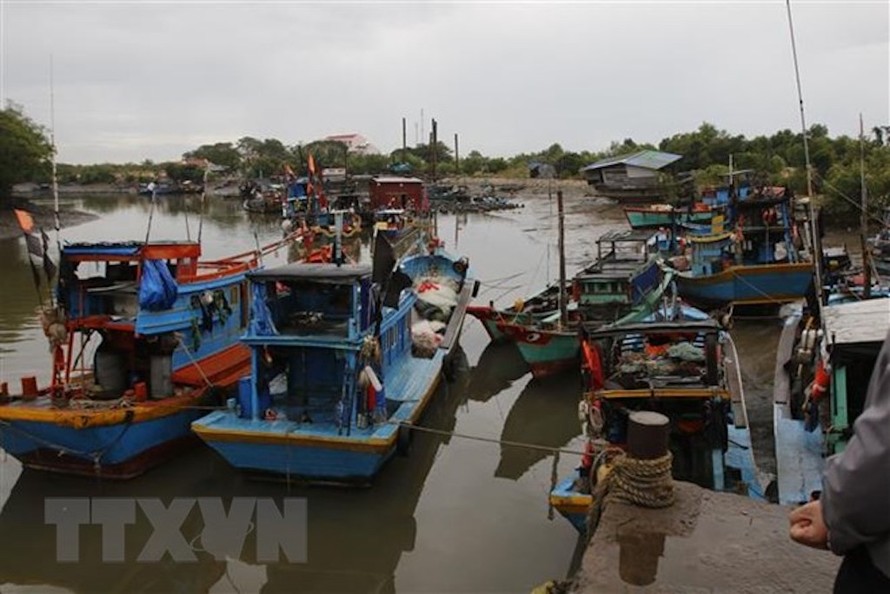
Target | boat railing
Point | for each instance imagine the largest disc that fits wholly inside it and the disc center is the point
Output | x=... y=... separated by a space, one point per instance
x=686 y=392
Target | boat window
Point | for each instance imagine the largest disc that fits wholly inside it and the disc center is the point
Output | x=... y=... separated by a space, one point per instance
x=312 y=308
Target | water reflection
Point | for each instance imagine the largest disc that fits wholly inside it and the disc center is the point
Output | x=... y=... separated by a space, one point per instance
x=638 y=556
x=546 y=413
x=355 y=537
x=499 y=365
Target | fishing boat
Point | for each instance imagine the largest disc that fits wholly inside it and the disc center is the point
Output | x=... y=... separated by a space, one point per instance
x=824 y=364
x=337 y=377
x=143 y=335
x=666 y=215
x=755 y=261
x=685 y=368
x=626 y=283
x=880 y=246
x=541 y=305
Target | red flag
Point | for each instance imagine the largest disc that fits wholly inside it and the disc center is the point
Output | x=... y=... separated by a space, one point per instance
x=311 y=164
x=25 y=220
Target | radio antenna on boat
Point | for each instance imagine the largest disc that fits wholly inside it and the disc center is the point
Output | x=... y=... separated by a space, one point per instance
x=52 y=140
x=803 y=121
x=863 y=215
x=816 y=240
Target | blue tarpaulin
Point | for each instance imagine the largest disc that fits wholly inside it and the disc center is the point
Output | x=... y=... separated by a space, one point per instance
x=261 y=323
x=158 y=289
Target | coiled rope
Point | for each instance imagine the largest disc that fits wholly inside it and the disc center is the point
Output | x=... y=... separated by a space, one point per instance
x=647 y=483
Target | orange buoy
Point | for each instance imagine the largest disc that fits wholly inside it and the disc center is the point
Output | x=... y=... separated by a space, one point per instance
x=29 y=387
x=140 y=392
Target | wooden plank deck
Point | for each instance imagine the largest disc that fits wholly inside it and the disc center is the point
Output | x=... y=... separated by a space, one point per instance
x=457 y=316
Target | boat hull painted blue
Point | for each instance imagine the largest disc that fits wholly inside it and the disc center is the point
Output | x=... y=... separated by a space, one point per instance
x=742 y=285
x=109 y=446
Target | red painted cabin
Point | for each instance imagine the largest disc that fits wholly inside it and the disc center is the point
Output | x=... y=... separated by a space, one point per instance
x=397 y=192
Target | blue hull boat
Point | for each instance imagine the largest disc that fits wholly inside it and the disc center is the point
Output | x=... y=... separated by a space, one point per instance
x=169 y=325
x=337 y=377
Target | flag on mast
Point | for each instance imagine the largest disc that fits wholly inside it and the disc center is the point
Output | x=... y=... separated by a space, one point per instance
x=33 y=243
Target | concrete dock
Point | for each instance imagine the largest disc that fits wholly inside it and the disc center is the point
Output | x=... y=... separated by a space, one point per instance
x=705 y=542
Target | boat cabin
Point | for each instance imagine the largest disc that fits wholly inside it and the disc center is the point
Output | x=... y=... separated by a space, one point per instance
x=312 y=330
x=676 y=369
x=660 y=357
x=625 y=271
x=102 y=279
x=853 y=335
x=318 y=300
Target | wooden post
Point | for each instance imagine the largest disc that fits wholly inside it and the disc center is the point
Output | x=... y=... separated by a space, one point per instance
x=563 y=310
x=647 y=435
x=456 y=156
x=434 y=145
x=404 y=141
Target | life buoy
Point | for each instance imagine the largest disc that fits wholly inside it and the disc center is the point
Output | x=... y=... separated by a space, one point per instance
x=532 y=337
x=461 y=266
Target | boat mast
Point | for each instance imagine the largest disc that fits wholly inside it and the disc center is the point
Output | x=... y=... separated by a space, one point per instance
x=563 y=314
x=816 y=240
x=863 y=215
x=52 y=140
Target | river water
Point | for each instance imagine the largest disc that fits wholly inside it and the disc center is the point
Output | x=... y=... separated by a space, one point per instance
x=456 y=515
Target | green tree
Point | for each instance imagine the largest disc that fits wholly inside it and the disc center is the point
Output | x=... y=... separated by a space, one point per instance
x=220 y=153
x=24 y=149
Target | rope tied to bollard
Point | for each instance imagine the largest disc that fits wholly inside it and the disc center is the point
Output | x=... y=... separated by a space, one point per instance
x=642 y=482
x=647 y=483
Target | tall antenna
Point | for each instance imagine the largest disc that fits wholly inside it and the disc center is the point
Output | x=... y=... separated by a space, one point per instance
x=863 y=215
x=816 y=240
x=803 y=121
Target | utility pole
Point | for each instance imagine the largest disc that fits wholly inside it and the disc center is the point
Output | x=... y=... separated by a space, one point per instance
x=563 y=309
x=456 y=156
x=434 y=145
x=404 y=140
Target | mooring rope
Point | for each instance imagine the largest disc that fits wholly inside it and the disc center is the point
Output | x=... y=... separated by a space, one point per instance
x=647 y=483
x=516 y=444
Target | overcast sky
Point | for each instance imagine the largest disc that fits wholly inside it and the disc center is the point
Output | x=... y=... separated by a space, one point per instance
x=137 y=80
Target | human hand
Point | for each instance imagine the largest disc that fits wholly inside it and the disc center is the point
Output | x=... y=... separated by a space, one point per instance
x=807 y=526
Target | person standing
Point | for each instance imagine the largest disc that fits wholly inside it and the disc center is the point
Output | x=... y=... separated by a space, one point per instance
x=852 y=515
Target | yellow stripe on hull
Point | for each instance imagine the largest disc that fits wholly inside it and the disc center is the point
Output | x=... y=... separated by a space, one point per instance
x=376 y=445
x=727 y=274
x=83 y=419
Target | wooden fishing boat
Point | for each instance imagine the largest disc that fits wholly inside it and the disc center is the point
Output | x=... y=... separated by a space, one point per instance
x=622 y=284
x=539 y=306
x=666 y=215
x=684 y=368
x=823 y=367
x=337 y=378
x=167 y=325
x=756 y=262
